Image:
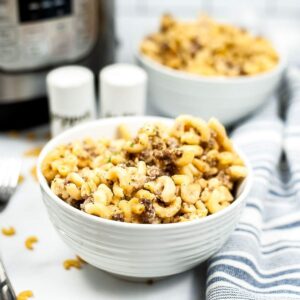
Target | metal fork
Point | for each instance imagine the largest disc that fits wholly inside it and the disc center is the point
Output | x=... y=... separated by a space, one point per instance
x=6 y=289
x=9 y=174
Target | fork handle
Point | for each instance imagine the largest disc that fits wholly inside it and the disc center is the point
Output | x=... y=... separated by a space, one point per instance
x=6 y=289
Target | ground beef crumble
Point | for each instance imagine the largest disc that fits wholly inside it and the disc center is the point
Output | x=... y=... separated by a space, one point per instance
x=118 y=217
x=148 y=216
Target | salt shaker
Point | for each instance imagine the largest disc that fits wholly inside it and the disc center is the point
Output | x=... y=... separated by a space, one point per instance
x=71 y=97
x=123 y=89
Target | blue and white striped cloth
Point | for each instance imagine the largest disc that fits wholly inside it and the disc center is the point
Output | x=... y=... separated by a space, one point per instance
x=261 y=260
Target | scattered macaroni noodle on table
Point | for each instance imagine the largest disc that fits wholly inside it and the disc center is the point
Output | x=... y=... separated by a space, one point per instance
x=161 y=175
x=21 y=179
x=33 y=172
x=30 y=241
x=25 y=295
x=77 y=263
x=9 y=231
x=208 y=48
x=33 y=152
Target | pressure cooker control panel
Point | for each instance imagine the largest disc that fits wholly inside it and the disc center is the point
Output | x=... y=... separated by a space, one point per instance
x=34 y=10
x=35 y=34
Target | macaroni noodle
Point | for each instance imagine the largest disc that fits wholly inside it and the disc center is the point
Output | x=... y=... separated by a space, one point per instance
x=208 y=48
x=161 y=175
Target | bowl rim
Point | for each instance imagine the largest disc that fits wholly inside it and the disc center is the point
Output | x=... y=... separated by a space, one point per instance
x=183 y=75
x=134 y=226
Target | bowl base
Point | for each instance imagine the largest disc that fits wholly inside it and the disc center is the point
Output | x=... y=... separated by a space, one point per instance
x=147 y=280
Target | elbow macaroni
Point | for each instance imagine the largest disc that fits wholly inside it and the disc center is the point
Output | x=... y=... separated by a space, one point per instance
x=206 y=47
x=162 y=175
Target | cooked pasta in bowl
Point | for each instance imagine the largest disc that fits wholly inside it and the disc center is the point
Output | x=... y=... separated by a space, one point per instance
x=206 y=47
x=208 y=68
x=160 y=175
x=140 y=185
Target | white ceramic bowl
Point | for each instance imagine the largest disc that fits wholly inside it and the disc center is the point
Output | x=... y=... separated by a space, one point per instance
x=175 y=92
x=136 y=251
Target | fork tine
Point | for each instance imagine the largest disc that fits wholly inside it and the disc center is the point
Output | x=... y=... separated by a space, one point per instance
x=11 y=170
x=15 y=171
x=2 y=172
x=9 y=174
x=6 y=172
x=3 y=179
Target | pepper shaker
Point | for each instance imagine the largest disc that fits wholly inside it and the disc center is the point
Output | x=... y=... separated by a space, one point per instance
x=71 y=97
x=123 y=89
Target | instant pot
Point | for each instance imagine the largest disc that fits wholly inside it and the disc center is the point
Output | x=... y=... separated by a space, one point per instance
x=39 y=35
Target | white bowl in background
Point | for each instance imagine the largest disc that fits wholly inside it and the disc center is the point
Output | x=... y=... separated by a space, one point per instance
x=174 y=92
x=136 y=251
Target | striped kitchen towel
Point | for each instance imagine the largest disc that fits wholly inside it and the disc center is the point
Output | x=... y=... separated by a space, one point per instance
x=261 y=260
